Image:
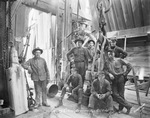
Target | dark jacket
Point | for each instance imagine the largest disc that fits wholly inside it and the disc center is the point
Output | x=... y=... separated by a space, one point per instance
x=75 y=80
x=106 y=89
x=39 y=69
x=80 y=54
x=119 y=52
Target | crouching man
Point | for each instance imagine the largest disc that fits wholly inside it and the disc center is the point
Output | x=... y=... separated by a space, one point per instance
x=74 y=85
x=100 y=94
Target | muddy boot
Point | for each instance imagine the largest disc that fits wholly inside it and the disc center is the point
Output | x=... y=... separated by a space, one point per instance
x=60 y=103
x=78 y=108
x=128 y=109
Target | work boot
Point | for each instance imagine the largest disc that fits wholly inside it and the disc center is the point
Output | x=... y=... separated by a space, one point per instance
x=78 y=108
x=37 y=106
x=45 y=104
x=128 y=109
x=59 y=104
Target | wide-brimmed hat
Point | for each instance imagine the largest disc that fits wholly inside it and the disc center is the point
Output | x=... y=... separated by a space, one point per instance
x=37 y=49
x=114 y=39
x=91 y=41
x=79 y=39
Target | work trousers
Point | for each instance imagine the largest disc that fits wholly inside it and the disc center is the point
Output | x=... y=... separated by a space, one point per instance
x=81 y=69
x=118 y=92
x=94 y=100
x=76 y=94
x=40 y=91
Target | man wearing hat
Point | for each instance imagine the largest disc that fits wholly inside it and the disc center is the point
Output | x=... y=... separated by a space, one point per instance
x=80 y=57
x=91 y=53
x=119 y=52
x=38 y=69
x=115 y=69
x=91 y=47
x=100 y=94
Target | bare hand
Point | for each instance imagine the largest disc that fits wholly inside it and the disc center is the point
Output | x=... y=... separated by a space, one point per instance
x=111 y=77
x=101 y=96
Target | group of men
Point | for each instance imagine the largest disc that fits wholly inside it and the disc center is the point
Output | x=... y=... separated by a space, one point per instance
x=108 y=84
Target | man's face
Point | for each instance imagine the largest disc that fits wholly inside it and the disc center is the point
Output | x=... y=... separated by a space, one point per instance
x=112 y=43
x=91 y=44
x=111 y=55
x=101 y=76
x=37 y=53
x=73 y=71
x=98 y=55
x=79 y=43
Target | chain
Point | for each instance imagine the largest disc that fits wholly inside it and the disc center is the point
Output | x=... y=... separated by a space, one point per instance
x=8 y=39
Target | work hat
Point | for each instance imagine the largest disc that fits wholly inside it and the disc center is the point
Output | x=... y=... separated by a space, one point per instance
x=79 y=39
x=37 y=49
x=91 y=41
x=114 y=39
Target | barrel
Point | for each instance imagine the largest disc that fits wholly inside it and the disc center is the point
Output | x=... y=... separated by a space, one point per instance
x=52 y=90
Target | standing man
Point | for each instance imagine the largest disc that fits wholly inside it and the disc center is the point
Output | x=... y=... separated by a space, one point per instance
x=91 y=47
x=37 y=67
x=74 y=83
x=115 y=69
x=100 y=93
x=91 y=53
x=119 y=52
x=80 y=57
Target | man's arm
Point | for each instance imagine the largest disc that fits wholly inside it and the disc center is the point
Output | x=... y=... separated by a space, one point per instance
x=128 y=65
x=47 y=71
x=87 y=56
x=26 y=65
x=70 y=52
x=69 y=80
x=123 y=54
x=108 y=89
x=109 y=70
x=93 y=90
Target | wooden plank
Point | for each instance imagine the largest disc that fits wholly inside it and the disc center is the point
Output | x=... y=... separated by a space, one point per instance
x=129 y=33
x=126 y=14
x=119 y=13
x=146 y=11
x=139 y=57
x=115 y=13
x=136 y=13
x=107 y=18
x=130 y=13
x=112 y=19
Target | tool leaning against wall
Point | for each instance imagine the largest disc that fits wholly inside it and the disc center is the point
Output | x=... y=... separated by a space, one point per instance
x=22 y=58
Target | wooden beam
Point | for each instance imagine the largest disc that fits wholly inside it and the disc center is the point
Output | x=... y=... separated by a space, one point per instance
x=130 y=33
x=41 y=5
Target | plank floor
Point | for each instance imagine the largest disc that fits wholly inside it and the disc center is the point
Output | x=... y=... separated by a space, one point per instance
x=68 y=108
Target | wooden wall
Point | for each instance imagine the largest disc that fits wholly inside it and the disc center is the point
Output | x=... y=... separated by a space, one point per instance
x=138 y=54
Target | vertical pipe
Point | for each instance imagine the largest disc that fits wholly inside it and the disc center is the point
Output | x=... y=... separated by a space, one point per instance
x=3 y=51
x=125 y=43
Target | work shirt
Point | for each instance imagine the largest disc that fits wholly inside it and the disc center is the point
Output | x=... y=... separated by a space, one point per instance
x=116 y=66
x=39 y=69
x=75 y=80
x=119 y=52
x=105 y=89
x=91 y=51
x=80 y=54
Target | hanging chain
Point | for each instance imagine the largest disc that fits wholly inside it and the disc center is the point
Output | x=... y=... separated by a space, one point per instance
x=8 y=39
